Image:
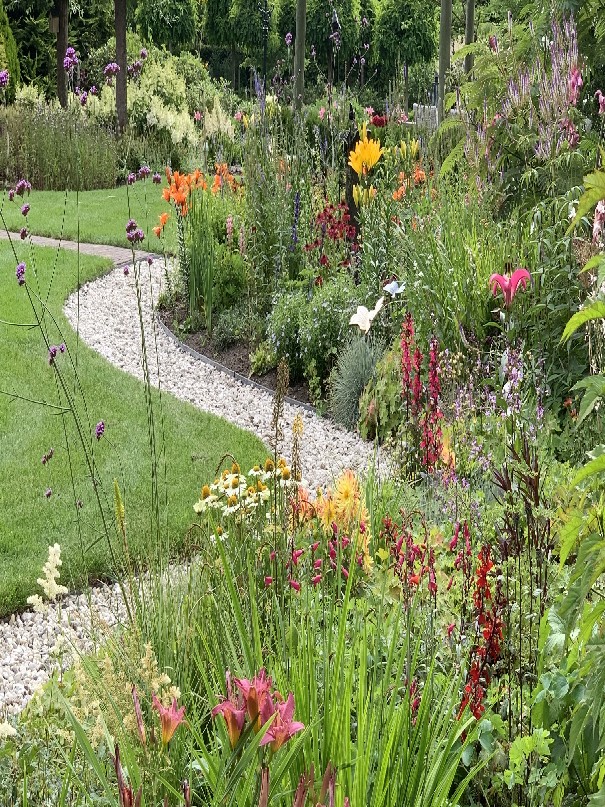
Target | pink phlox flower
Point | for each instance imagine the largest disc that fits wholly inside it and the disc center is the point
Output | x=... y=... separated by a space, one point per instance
x=509 y=285
x=283 y=726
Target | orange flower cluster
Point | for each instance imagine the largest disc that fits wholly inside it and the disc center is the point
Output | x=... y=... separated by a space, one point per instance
x=418 y=177
x=163 y=219
x=223 y=177
x=181 y=185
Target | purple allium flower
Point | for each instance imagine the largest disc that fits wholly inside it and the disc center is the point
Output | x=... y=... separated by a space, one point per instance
x=144 y=171
x=135 y=236
x=110 y=70
x=99 y=429
x=20 y=273
x=48 y=493
x=131 y=178
x=132 y=225
x=21 y=187
x=143 y=53
x=93 y=90
x=23 y=232
x=289 y=39
x=25 y=209
x=157 y=178
x=4 y=78
x=52 y=353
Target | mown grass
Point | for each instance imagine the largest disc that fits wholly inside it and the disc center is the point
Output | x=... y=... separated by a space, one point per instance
x=194 y=442
x=95 y=217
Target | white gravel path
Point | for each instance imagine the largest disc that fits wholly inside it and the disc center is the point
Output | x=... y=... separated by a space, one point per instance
x=106 y=315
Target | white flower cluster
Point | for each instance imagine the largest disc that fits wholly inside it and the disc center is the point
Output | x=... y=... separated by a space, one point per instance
x=48 y=583
x=7 y=731
x=233 y=493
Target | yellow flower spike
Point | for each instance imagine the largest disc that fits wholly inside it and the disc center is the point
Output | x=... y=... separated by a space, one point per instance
x=357 y=195
x=414 y=148
x=403 y=148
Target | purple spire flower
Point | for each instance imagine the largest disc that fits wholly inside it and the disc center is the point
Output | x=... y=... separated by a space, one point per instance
x=25 y=210
x=93 y=90
x=110 y=70
x=20 y=273
x=126 y=270
x=70 y=60
x=21 y=187
x=4 y=79
x=135 y=236
x=99 y=430
x=11 y=194
x=84 y=98
x=289 y=39
x=601 y=99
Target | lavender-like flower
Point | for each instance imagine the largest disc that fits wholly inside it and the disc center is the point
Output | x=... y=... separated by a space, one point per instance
x=289 y=39
x=83 y=98
x=136 y=236
x=110 y=70
x=22 y=187
x=144 y=171
x=20 y=273
x=93 y=90
x=25 y=209
x=11 y=194
x=70 y=60
x=99 y=430
x=157 y=179
x=143 y=53
x=4 y=79
x=131 y=178
x=131 y=226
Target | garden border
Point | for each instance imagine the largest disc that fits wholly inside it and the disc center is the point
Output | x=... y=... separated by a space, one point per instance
x=231 y=373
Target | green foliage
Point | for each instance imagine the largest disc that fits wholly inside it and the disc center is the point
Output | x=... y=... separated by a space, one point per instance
x=283 y=330
x=353 y=371
x=405 y=34
x=232 y=325
x=230 y=278
x=56 y=149
x=8 y=55
x=263 y=359
x=167 y=23
x=201 y=248
x=380 y=410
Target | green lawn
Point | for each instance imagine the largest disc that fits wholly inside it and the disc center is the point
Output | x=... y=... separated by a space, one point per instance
x=96 y=217
x=29 y=522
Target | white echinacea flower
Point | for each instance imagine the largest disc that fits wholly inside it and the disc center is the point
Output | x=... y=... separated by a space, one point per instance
x=363 y=318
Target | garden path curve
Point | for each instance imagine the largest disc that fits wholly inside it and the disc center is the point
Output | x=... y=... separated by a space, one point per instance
x=105 y=312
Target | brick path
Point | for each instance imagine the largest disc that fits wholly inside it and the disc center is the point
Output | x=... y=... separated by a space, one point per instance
x=118 y=255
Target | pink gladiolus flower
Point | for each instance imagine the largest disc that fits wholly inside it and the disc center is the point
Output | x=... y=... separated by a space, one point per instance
x=234 y=712
x=509 y=285
x=282 y=727
x=170 y=717
x=601 y=99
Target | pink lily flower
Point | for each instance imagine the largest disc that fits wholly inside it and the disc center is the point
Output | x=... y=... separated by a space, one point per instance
x=282 y=727
x=234 y=712
x=509 y=285
x=257 y=697
x=171 y=718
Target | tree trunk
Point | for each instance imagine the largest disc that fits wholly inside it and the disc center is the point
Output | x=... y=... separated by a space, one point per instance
x=62 y=43
x=469 y=34
x=299 y=52
x=121 y=59
x=445 y=35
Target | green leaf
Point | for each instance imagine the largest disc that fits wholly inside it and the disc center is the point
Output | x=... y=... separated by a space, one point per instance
x=594 y=311
x=595 y=389
x=595 y=191
x=452 y=158
x=595 y=466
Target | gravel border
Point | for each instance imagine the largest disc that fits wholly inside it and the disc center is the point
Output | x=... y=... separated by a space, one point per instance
x=105 y=313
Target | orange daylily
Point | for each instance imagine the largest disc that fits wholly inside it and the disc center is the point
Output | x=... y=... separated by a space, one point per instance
x=163 y=219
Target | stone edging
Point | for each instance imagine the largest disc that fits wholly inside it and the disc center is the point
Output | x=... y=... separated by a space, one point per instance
x=231 y=373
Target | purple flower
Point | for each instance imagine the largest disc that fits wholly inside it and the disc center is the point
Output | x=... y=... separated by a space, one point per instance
x=143 y=53
x=131 y=178
x=110 y=70
x=11 y=194
x=23 y=233
x=84 y=98
x=289 y=39
x=48 y=493
x=4 y=78
x=25 y=210
x=99 y=429
x=135 y=236
x=70 y=60
x=131 y=226
x=93 y=90
x=127 y=270
x=62 y=347
x=144 y=171
x=20 y=273
x=52 y=353
x=157 y=178
x=135 y=68
x=601 y=99
x=21 y=187
x=149 y=260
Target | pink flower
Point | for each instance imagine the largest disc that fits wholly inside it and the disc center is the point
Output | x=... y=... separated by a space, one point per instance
x=575 y=84
x=257 y=697
x=282 y=727
x=450 y=629
x=509 y=285
x=601 y=99
x=139 y=717
x=197 y=116
x=294 y=584
x=599 y=221
x=239 y=116
x=268 y=581
x=234 y=712
x=322 y=113
x=170 y=717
